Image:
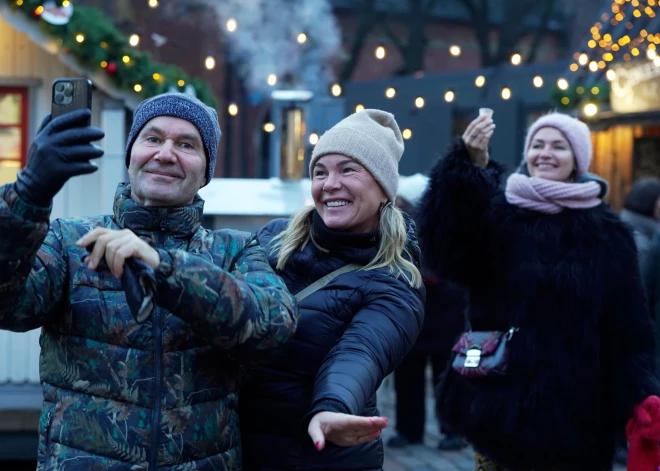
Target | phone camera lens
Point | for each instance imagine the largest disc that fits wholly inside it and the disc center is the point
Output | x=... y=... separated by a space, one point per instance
x=68 y=92
x=59 y=98
x=59 y=87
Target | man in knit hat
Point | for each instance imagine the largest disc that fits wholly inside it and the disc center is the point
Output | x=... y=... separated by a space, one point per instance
x=152 y=385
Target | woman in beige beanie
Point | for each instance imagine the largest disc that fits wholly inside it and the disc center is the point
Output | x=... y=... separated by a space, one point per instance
x=350 y=262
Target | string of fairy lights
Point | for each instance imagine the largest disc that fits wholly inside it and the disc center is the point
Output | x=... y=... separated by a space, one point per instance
x=614 y=39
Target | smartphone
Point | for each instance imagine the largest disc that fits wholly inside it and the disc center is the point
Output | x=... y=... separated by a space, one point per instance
x=71 y=94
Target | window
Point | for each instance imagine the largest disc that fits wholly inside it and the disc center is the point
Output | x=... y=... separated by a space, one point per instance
x=13 y=132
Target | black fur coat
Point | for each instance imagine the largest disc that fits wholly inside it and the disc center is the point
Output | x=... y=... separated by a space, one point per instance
x=584 y=354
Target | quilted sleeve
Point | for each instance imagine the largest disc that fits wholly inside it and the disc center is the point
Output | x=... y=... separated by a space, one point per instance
x=32 y=268
x=378 y=338
x=246 y=310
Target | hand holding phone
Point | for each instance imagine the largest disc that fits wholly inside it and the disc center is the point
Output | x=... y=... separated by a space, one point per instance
x=62 y=149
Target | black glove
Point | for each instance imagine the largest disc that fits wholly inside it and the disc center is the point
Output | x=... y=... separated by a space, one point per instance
x=60 y=151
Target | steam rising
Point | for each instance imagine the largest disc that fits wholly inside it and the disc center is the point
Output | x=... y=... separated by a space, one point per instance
x=265 y=41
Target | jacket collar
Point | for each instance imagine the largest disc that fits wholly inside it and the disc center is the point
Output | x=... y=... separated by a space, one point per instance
x=181 y=221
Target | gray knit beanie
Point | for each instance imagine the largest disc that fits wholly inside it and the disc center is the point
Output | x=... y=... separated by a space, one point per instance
x=371 y=137
x=179 y=105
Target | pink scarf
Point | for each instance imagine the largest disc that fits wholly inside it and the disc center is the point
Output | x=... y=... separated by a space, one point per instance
x=549 y=196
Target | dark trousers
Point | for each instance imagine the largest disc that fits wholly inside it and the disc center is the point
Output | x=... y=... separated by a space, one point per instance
x=410 y=387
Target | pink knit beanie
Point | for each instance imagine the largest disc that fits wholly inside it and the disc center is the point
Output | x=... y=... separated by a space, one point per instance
x=576 y=132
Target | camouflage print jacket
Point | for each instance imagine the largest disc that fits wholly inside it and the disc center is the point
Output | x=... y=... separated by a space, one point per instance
x=119 y=395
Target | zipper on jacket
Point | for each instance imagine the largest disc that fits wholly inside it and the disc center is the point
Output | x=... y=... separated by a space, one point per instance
x=49 y=421
x=157 y=332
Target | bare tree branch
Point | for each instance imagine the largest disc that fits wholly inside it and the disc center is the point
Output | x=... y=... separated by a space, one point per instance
x=541 y=32
x=369 y=18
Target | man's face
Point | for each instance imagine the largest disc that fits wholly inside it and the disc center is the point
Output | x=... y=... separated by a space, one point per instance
x=168 y=163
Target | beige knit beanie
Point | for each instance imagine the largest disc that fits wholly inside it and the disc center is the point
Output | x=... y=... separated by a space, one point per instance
x=371 y=137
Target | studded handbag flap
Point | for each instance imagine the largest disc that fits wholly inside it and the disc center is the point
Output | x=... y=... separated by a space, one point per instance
x=482 y=354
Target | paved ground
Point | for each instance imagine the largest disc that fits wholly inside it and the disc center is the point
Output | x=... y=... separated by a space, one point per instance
x=423 y=457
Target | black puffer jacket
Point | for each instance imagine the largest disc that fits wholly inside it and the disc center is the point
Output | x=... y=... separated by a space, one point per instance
x=351 y=334
x=584 y=355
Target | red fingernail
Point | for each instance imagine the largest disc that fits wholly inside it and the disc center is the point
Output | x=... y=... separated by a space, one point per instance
x=317 y=445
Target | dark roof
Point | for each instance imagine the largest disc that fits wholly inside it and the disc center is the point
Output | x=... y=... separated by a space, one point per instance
x=629 y=25
x=453 y=11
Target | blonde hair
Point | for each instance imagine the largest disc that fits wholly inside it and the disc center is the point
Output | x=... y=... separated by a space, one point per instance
x=392 y=249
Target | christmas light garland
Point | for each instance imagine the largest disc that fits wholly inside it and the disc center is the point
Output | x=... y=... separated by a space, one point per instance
x=92 y=39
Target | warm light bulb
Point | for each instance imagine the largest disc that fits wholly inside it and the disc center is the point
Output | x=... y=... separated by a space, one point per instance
x=302 y=38
x=590 y=109
x=506 y=93
x=153 y=3
x=126 y=59
x=455 y=50
x=562 y=83
x=232 y=109
x=104 y=64
x=651 y=54
x=449 y=96
x=583 y=59
x=272 y=80
x=406 y=133
x=313 y=138
x=209 y=62
x=156 y=76
x=359 y=107
x=80 y=38
x=419 y=102
x=134 y=40
x=137 y=87
x=335 y=89
x=538 y=81
x=231 y=25
x=65 y=3
x=516 y=59
x=390 y=92
x=380 y=52
x=593 y=66
x=610 y=74
x=480 y=81
x=269 y=127
x=181 y=83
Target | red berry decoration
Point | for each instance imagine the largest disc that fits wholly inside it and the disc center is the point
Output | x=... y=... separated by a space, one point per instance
x=111 y=68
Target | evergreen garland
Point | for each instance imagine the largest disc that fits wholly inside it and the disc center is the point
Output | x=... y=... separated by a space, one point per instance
x=105 y=47
x=577 y=95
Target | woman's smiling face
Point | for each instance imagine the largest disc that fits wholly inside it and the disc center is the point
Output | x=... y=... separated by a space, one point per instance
x=550 y=156
x=346 y=195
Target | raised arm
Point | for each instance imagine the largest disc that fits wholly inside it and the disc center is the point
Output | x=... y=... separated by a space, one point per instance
x=32 y=269
x=452 y=225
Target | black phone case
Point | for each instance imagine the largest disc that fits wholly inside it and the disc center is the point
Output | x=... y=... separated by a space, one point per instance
x=80 y=98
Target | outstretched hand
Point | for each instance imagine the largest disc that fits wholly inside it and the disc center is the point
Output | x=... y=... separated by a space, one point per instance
x=344 y=429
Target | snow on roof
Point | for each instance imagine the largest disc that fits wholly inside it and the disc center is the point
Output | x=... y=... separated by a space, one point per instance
x=255 y=196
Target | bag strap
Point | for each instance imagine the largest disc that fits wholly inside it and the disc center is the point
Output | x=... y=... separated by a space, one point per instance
x=321 y=282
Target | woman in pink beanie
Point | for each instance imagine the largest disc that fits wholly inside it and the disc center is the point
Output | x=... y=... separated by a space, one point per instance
x=561 y=348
